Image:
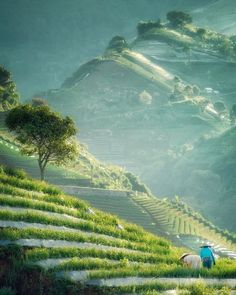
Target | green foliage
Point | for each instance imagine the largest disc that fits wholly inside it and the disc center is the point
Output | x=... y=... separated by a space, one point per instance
x=203 y=289
x=145 y=26
x=145 y=257
x=9 y=98
x=178 y=18
x=153 y=256
x=18 y=173
x=45 y=133
x=18 y=179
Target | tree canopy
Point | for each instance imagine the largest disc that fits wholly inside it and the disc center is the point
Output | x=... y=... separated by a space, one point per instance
x=179 y=18
x=44 y=133
x=144 y=27
x=8 y=96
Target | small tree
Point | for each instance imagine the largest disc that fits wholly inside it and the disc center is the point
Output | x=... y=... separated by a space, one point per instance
x=178 y=18
x=44 y=133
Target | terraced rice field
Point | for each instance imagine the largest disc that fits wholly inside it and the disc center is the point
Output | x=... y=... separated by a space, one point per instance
x=178 y=222
x=63 y=238
x=165 y=218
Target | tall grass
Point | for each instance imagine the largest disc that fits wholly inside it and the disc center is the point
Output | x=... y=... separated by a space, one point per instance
x=64 y=204
x=145 y=257
x=29 y=185
x=15 y=234
x=84 y=225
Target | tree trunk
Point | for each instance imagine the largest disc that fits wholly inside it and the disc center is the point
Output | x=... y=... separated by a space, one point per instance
x=42 y=169
x=42 y=173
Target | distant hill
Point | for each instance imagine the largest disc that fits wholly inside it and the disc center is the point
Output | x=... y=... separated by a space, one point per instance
x=145 y=105
x=57 y=38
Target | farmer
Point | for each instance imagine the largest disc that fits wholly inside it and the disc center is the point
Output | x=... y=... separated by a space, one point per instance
x=207 y=256
x=191 y=260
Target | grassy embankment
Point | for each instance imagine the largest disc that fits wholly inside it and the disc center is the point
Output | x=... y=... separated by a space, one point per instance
x=53 y=234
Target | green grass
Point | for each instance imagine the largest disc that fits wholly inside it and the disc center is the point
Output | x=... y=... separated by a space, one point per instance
x=135 y=252
x=84 y=225
x=145 y=257
x=16 y=234
x=87 y=171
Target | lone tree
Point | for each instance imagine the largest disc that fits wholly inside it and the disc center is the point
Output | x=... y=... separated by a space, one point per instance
x=44 y=133
x=178 y=18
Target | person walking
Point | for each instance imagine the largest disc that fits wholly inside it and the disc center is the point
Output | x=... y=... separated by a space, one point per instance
x=207 y=256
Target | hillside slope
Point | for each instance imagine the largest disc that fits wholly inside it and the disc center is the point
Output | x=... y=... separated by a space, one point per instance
x=139 y=105
x=86 y=171
x=125 y=201
x=53 y=243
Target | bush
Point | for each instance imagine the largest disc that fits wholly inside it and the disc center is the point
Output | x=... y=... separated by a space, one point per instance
x=178 y=18
x=143 y=27
x=18 y=173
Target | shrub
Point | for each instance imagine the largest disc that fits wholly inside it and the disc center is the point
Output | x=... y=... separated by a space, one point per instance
x=144 y=27
x=18 y=173
x=178 y=18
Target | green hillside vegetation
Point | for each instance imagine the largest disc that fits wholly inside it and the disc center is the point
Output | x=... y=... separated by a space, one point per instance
x=52 y=242
x=86 y=171
x=182 y=32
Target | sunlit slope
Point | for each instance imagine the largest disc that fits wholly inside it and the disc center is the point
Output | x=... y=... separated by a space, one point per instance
x=54 y=235
x=206 y=59
x=121 y=103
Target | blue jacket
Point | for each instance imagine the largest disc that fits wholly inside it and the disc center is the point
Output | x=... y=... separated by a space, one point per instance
x=206 y=252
